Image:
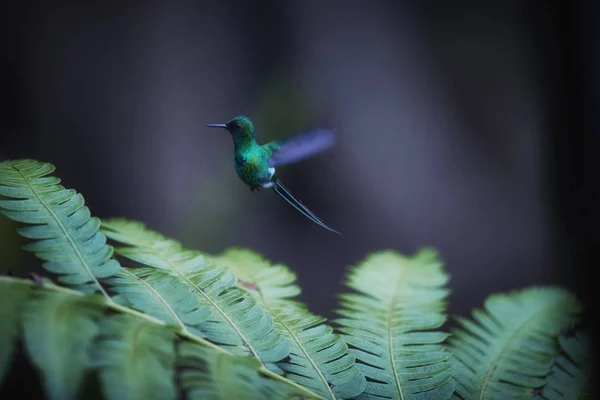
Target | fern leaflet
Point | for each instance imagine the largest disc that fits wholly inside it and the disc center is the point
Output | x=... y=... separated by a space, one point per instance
x=135 y=359
x=65 y=234
x=319 y=359
x=211 y=375
x=507 y=351
x=58 y=330
x=390 y=325
x=160 y=295
x=67 y=334
x=235 y=320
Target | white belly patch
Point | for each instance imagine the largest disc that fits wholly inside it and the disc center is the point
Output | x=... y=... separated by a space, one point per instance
x=269 y=184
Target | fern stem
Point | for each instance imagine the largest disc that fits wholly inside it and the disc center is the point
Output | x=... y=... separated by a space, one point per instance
x=391 y=336
x=183 y=333
x=67 y=235
x=273 y=375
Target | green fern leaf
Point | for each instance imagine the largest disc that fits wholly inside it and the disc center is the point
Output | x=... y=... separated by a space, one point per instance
x=235 y=319
x=319 y=359
x=65 y=234
x=136 y=359
x=211 y=375
x=257 y=275
x=569 y=378
x=58 y=331
x=135 y=355
x=508 y=350
x=160 y=295
x=13 y=297
x=390 y=326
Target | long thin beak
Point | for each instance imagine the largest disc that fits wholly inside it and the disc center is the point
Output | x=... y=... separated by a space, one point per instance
x=217 y=126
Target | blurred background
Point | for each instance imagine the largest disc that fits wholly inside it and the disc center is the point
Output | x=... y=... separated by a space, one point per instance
x=461 y=127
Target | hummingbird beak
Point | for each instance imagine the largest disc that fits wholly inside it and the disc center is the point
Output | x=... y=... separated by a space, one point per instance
x=217 y=126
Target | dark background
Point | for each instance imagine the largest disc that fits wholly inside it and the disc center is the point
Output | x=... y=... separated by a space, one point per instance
x=465 y=126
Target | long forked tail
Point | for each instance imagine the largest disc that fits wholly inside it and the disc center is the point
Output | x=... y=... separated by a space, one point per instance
x=284 y=193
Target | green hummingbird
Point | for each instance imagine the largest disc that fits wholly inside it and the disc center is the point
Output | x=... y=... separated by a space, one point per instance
x=255 y=164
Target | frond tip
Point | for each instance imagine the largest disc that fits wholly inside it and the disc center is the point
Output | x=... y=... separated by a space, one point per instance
x=507 y=350
x=390 y=326
x=65 y=235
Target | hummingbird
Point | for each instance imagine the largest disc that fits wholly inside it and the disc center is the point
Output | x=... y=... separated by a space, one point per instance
x=255 y=164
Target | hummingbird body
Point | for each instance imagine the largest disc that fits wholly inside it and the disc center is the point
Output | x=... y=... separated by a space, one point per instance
x=255 y=164
x=251 y=163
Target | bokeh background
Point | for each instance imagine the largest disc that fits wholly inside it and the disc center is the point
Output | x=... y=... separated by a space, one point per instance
x=461 y=127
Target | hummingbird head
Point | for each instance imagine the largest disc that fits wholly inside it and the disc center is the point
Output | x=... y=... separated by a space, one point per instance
x=240 y=128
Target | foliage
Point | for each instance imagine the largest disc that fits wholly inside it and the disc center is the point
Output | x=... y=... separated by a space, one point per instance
x=221 y=312
x=508 y=349
x=569 y=377
x=66 y=236
x=150 y=319
x=391 y=325
x=319 y=359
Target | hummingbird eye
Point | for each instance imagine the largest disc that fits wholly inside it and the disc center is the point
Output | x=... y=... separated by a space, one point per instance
x=237 y=125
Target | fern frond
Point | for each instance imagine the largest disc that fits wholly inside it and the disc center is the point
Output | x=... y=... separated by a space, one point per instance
x=160 y=295
x=570 y=374
x=136 y=359
x=136 y=356
x=235 y=319
x=391 y=325
x=58 y=330
x=208 y=374
x=508 y=349
x=65 y=234
x=319 y=359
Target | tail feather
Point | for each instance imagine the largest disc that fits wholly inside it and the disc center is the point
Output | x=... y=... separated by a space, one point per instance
x=284 y=193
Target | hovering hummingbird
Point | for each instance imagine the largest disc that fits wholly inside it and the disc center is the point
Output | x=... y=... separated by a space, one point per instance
x=255 y=164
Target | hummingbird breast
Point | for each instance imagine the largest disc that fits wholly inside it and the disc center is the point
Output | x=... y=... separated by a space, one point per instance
x=253 y=169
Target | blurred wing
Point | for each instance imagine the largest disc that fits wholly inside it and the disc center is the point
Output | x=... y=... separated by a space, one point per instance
x=299 y=146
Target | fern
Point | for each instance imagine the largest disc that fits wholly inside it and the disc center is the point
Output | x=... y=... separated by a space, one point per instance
x=569 y=378
x=135 y=358
x=319 y=359
x=68 y=334
x=65 y=234
x=57 y=324
x=234 y=319
x=390 y=326
x=160 y=295
x=212 y=375
x=508 y=350
x=177 y=323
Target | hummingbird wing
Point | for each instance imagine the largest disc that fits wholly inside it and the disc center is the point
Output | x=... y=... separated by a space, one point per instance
x=298 y=146
x=284 y=193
